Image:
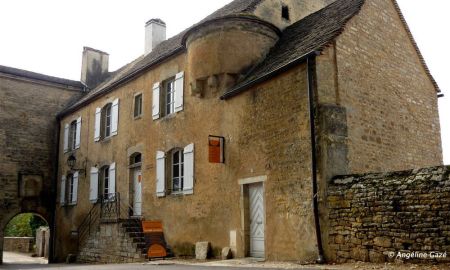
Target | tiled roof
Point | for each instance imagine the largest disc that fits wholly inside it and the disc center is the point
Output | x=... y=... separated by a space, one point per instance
x=307 y=36
x=40 y=77
x=299 y=40
x=166 y=49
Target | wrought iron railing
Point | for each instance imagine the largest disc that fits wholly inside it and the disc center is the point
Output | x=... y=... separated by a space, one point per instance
x=108 y=209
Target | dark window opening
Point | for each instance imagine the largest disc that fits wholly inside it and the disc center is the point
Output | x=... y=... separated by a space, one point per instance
x=285 y=12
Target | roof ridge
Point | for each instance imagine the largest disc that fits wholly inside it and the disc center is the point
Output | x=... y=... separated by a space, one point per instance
x=39 y=76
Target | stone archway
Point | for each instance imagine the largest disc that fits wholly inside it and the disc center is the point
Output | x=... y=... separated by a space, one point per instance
x=8 y=216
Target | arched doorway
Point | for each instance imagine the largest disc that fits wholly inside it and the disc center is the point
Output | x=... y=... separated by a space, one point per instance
x=26 y=239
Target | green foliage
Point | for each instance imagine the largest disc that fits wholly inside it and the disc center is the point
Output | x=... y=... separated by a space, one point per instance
x=24 y=225
x=19 y=226
x=35 y=223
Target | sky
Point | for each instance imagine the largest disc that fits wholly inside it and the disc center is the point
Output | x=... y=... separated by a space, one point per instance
x=47 y=36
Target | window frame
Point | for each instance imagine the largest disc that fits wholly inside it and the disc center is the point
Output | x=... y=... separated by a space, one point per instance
x=69 y=189
x=168 y=106
x=105 y=182
x=106 y=121
x=138 y=114
x=179 y=166
x=72 y=135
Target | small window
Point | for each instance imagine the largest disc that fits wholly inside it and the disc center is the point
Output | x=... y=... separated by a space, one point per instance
x=105 y=180
x=106 y=120
x=285 y=12
x=177 y=170
x=69 y=188
x=168 y=97
x=135 y=159
x=138 y=105
x=73 y=135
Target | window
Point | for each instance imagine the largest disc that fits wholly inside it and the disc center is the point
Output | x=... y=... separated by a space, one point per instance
x=106 y=117
x=106 y=185
x=69 y=189
x=106 y=121
x=285 y=12
x=137 y=105
x=72 y=133
x=177 y=166
x=102 y=183
x=168 y=96
x=135 y=159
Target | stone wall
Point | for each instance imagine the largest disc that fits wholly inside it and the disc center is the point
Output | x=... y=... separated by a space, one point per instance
x=391 y=103
x=378 y=217
x=29 y=104
x=18 y=244
x=110 y=244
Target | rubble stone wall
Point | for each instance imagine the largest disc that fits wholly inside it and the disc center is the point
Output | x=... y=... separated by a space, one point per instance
x=386 y=216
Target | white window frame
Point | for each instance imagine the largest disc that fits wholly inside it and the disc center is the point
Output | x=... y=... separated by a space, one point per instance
x=107 y=120
x=105 y=179
x=177 y=166
x=73 y=135
x=169 y=102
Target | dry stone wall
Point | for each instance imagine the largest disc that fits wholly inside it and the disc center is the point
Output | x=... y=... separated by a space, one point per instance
x=391 y=216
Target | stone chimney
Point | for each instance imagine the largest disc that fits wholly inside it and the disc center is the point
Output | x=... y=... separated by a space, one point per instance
x=94 y=67
x=155 y=33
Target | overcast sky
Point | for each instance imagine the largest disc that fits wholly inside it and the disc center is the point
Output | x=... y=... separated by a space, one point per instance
x=47 y=36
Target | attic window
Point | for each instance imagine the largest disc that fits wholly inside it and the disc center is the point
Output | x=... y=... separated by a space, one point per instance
x=285 y=12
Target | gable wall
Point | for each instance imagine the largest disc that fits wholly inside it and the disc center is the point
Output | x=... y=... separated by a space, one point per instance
x=391 y=103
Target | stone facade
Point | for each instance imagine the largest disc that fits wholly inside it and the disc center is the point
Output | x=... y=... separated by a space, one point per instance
x=266 y=132
x=366 y=103
x=378 y=217
x=28 y=129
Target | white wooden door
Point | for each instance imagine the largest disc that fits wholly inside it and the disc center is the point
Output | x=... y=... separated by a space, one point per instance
x=137 y=192
x=257 y=219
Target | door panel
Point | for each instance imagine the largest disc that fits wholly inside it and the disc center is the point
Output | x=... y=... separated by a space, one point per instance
x=257 y=219
x=137 y=192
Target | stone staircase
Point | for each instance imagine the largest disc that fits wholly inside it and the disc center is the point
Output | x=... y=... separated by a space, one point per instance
x=115 y=242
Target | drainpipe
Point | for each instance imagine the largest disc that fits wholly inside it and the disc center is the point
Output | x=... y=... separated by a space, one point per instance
x=311 y=70
x=51 y=253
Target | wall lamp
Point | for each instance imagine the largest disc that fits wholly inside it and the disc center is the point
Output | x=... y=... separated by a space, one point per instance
x=72 y=161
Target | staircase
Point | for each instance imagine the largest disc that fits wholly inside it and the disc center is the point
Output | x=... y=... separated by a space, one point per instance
x=109 y=235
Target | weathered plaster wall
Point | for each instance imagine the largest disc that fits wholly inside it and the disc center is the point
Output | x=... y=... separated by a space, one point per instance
x=376 y=217
x=27 y=145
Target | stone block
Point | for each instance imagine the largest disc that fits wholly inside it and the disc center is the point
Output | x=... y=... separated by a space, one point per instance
x=382 y=242
x=202 y=250
x=376 y=257
x=226 y=253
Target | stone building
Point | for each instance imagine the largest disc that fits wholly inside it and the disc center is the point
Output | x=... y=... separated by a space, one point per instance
x=230 y=131
x=29 y=103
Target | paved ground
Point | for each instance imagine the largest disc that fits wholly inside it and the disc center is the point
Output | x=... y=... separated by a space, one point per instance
x=24 y=261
